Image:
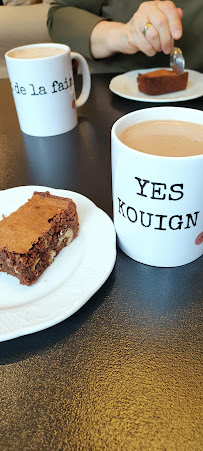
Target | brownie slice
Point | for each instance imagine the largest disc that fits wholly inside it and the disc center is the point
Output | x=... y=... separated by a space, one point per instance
x=32 y=236
x=161 y=81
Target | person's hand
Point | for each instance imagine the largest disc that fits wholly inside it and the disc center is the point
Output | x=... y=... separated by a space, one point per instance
x=164 y=23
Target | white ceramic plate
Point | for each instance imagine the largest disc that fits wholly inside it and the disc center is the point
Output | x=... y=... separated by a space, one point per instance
x=68 y=283
x=125 y=85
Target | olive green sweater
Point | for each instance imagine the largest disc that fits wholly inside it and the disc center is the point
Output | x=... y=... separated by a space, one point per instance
x=72 y=21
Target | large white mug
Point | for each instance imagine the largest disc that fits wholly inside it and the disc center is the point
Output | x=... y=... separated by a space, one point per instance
x=157 y=200
x=42 y=83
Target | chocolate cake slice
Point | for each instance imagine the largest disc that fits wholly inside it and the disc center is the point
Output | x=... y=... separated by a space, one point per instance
x=161 y=81
x=32 y=236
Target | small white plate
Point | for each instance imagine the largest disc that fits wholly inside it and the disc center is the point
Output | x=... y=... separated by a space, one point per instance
x=125 y=85
x=67 y=284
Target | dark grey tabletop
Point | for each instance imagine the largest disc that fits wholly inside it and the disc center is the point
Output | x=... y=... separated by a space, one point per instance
x=125 y=371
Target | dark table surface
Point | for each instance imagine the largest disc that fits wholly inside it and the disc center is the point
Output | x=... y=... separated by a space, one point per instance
x=125 y=371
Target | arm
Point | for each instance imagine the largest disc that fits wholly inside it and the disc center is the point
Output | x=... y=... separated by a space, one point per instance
x=70 y=24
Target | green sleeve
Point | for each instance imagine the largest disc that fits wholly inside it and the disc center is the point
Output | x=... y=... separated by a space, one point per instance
x=70 y=24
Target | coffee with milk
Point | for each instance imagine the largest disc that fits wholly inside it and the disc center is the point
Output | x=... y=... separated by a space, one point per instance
x=166 y=138
x=36 y=52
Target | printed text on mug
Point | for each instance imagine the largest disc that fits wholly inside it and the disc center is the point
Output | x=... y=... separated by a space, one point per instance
x=33 y=90
x=157 y=191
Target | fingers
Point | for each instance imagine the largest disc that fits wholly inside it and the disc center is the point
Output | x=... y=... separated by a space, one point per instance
x=161 y=24
x=180 y=13
x=165 y=18
x=133 y=39
x=148 y=43
x=172 y=16
x=165 y=21
x=152 y=36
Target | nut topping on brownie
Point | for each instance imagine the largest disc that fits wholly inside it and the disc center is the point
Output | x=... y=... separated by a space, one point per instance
x=32 y=236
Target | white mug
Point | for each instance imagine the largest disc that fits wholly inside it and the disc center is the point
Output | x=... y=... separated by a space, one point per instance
x=42 y=83
x=157 y=200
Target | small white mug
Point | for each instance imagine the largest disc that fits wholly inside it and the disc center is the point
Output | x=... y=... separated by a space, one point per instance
x=157 y=200
x=42 y=83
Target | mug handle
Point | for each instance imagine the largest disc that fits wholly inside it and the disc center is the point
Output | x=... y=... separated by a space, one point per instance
x=86 y=85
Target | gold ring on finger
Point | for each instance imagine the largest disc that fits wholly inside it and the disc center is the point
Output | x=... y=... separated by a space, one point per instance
x=148 y=24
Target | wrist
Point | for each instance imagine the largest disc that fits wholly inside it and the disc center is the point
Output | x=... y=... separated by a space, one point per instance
x=115 y=38
x=105 y=39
